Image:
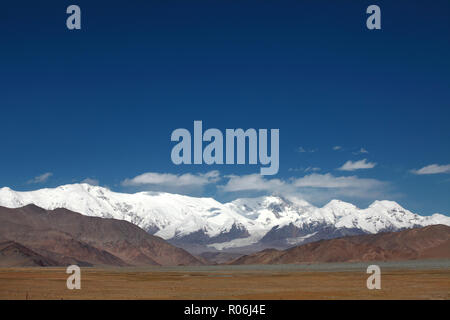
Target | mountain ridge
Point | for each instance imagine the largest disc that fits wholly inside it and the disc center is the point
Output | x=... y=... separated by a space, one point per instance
x=64 y=237
x=430 y=242
x=245 y=224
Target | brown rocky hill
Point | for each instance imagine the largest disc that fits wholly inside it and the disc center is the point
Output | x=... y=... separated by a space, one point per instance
x=63 y=237
x=13 y=254
x=431 y=242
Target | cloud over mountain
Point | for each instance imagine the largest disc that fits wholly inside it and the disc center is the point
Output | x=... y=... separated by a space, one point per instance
x=41 y=178
x=91 y=181
x=329 y=181
x=314 y=187
x=164 y=180
x=252 y=182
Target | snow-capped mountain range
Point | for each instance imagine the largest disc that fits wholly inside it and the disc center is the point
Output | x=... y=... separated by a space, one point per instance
x=204 y=224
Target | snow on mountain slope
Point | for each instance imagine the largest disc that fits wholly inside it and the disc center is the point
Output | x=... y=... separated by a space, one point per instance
x=167 y=215
x=269 y=211
x=386 y=216
x=240 y=223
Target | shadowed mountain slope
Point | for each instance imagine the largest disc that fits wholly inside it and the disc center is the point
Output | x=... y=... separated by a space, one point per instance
x=64 y=237
x=431 y=242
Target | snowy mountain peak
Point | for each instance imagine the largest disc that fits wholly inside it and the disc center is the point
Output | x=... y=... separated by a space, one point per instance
x=190 y=221
x=386 y=205
x=340 y=205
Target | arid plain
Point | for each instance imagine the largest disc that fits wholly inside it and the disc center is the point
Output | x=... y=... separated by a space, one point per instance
x=250 y=282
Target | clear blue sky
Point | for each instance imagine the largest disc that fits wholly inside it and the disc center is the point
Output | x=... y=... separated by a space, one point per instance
x=101 y=103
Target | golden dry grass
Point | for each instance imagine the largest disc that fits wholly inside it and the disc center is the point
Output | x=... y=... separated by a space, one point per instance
x=50 y=283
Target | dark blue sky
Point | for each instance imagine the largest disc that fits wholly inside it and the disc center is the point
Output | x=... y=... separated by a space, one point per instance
x=101 y=102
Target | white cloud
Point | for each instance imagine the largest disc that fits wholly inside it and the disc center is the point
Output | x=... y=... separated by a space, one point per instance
x=324 y=187
x=313 y=169
x=252 y=182
x=92 y=182
x=313 y=187
x=336 y=148
x=360 y=151
x=303 y=150
x=328 y=181
x=173 y=180
x=41 y=178
x=433 y=169
x=357 y=165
